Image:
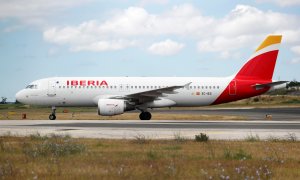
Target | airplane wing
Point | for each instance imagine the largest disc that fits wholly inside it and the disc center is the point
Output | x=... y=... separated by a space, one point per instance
x=147 y=96
x=272 y=84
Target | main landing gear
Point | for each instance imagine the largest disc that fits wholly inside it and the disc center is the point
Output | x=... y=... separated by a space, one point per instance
x=52 y=115
x=145 y=115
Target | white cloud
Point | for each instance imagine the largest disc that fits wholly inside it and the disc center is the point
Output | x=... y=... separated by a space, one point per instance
x=296 y=50
x=223 y=43
x=242 y=27
x=147 y=2
x=295 y=61
x=282 y=3
x=105 y=45
x=34 y=11
x=132 y=23
x=165 y=48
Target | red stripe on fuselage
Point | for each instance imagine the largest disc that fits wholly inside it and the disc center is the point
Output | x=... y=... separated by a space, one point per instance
x=258 y=70
x=244 y=89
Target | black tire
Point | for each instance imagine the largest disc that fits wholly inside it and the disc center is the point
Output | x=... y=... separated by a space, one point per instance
x=145 y=116
x=52 y=117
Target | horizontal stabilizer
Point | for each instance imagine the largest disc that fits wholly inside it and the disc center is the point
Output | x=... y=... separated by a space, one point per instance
x=272 y=84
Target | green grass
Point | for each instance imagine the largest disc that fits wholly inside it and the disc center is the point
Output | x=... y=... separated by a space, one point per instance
x=63 y=157
x=292 y=101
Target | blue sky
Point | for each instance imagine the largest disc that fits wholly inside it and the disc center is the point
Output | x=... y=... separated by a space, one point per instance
x=43 y=38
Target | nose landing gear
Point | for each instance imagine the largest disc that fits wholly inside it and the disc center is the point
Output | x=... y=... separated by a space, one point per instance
x=52 y=116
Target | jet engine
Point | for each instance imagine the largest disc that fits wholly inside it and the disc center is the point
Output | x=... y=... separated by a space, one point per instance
x=111 y=107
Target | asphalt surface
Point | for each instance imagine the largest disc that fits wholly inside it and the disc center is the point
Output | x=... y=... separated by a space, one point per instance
x=284 y=123
x=278 y=114
x=176 y=125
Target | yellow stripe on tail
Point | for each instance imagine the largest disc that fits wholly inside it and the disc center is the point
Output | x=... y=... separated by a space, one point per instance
x=270 y=40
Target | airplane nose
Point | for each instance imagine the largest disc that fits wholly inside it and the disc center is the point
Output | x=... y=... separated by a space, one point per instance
x=20 y=96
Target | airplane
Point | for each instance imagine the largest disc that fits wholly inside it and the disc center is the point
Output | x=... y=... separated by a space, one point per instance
x=116 y=95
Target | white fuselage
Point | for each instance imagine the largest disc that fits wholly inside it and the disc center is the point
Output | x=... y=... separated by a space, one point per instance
x=86 y=91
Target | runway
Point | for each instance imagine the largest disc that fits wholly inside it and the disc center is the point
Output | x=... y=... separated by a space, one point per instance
x=154 y=129
x=278 y=113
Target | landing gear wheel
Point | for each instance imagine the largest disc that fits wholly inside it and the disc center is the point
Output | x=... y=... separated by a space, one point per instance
x=145 y=116
x=52 y=117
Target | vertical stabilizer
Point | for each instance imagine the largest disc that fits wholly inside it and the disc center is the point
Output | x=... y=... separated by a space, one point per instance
x=261 y=64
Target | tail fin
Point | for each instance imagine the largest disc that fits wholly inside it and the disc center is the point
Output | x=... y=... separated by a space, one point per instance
x=261 y=64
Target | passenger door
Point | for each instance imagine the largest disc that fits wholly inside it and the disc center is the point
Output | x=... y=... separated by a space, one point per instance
x=51 y=88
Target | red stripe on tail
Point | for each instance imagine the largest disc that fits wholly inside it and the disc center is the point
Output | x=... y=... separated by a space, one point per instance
x=260 y=67
x=258 y=70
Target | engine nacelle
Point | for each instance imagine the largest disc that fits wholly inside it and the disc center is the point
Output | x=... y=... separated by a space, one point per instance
x=111 y=107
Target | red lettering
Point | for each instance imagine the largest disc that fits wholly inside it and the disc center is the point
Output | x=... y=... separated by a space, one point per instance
x=103 y=83
x=82 y=83
x=86 y=83
x=74 y=83
x=91 y=83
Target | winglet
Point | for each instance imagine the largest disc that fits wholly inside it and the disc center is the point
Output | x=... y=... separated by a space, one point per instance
x=187 y=85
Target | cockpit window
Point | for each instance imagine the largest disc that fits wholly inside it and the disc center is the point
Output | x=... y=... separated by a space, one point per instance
x=31 y=86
